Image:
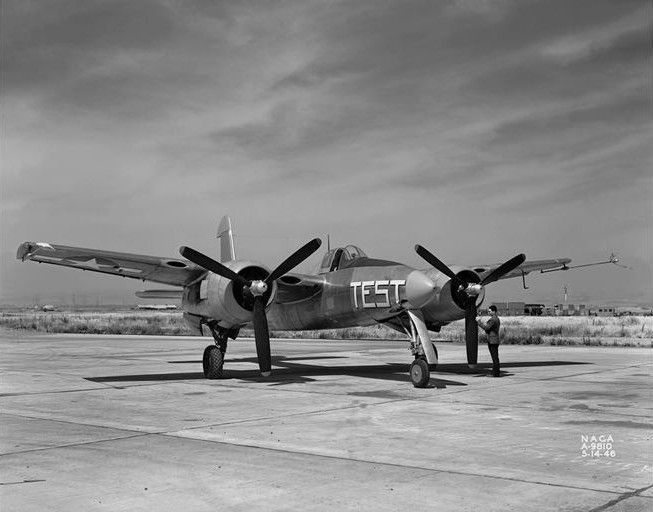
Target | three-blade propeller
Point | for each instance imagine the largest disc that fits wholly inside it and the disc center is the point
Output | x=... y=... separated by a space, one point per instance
x=257 y=290
x=470 y=293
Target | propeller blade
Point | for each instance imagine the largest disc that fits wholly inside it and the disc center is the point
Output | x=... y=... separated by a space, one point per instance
x=262 y=336
x=433 y=261
x=293 y=260
x=471 y=334
x=212 y=265
x=504 y=268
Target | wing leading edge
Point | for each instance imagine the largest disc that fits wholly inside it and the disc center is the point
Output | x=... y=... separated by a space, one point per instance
x=169 y=271
x=526 y=268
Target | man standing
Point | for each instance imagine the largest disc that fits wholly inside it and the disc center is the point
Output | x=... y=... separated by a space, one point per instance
x=491 y=328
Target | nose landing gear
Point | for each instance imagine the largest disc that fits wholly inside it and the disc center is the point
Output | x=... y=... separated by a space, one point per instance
x=213 y=360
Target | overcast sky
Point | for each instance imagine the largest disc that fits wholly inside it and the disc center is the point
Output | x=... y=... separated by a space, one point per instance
x=477 y=128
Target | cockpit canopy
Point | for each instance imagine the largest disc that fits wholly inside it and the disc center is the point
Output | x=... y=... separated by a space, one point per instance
x=340 y=258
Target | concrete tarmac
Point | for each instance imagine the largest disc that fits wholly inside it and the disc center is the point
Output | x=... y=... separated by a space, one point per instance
x=129 y=423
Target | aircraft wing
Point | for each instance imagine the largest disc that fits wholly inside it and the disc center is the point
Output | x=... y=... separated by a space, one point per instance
x=170 y=271
x=527 y=267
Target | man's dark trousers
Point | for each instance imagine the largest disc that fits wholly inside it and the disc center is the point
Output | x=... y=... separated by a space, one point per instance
x=494 y=352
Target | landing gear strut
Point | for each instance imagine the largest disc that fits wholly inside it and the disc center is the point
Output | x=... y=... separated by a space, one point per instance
x=213 y=360
x=423 y=350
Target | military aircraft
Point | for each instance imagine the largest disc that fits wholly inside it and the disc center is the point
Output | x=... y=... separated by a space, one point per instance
x=349 y=289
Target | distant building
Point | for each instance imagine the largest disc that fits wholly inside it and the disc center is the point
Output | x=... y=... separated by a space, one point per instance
x=549 y=311
x=568 y=310
x=510 y=308
x=602 y=311
x=521 y=308
x=516 y=308
x=633 y=311
x=534 y=309
x=502 y=308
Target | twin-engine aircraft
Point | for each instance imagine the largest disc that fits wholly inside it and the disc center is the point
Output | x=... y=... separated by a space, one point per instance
x=349 y=289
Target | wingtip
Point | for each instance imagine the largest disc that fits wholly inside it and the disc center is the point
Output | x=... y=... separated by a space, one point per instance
x=23 y=251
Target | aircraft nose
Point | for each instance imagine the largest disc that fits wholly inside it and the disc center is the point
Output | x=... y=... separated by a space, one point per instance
x=420 y=289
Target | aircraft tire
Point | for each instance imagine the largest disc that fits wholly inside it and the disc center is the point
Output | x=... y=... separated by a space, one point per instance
x=213 y=362
x=419 y=373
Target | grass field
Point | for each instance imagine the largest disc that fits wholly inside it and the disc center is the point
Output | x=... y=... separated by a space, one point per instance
x=526 y=330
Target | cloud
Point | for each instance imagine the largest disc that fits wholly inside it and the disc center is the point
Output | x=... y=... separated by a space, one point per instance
x=47 y=43
x=631 y=28
x=492 y=10
x=362 y=119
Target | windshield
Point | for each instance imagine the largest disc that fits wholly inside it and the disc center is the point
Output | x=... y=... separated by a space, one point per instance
x=336 y=258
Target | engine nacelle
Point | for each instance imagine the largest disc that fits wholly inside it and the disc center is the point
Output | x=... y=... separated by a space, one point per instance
x=218 y=298
x=449 y=302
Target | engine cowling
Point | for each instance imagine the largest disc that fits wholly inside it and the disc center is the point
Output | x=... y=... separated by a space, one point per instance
x=449 y=302
x=220 y=299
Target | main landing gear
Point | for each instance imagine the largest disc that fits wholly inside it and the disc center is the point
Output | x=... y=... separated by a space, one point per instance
x=419 y=372
x=213 y=360
x=426 y=357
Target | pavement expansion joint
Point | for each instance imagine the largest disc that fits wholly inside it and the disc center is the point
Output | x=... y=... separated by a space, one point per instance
x=595 y=411
x=22 y=482
x=622 y=497
x=602 y=370
x=57 y=392
x=70 y=422
x=74 y=445
x=292 y=415
x=403 y=466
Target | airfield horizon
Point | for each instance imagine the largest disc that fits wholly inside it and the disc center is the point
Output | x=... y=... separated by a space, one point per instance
x=624 y=331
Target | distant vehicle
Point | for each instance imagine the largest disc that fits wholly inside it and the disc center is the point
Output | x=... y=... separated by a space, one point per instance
x=46 y=307
x=350 y=289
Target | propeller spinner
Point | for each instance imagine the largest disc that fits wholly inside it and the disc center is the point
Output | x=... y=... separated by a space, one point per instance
x=468 y=292
x=256 y=290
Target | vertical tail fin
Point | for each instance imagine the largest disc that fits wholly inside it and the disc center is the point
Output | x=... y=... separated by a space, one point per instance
x=226 y=237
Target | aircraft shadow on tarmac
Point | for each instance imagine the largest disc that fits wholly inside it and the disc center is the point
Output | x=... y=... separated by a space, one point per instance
x=287 y=370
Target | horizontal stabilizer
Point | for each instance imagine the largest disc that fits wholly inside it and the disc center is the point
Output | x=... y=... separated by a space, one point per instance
x=159 y=294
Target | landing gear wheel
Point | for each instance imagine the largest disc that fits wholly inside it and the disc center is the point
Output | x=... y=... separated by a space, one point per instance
x=419 y=373
x=212 y=362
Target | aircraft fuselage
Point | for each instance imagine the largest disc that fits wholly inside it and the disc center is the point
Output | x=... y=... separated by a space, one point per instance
x=363 y=296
